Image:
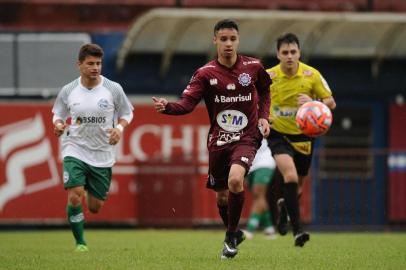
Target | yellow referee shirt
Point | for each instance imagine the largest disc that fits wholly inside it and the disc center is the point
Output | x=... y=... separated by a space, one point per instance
x=284 y=94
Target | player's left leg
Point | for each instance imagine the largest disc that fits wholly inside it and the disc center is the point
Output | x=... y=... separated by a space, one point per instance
x=222 y=205
x=99 y=180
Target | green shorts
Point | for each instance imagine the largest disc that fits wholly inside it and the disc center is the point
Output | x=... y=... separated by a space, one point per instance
x=261 y=176
x=96 y=180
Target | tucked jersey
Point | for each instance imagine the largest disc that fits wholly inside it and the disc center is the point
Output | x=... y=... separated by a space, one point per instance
x=285 y=91
x=235 y=98
x=263 y=158
x=92 y=113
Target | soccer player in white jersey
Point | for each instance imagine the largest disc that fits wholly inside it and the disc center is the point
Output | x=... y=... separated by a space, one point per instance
x=99 y=111
x=258 y=179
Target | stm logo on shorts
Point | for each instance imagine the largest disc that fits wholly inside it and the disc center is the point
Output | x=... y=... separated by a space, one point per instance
x=244 y=159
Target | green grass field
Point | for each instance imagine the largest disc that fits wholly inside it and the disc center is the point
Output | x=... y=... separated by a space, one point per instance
x=198 y=249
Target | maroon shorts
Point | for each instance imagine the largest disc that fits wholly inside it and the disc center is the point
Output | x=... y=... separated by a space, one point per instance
x=220 y=163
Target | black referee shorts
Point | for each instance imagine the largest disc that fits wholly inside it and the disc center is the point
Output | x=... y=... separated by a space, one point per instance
x=299 y=147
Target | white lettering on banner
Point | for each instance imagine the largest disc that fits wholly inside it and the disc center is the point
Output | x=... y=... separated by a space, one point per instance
x=169 y=142
x=203 y=155
x=164 y=134
x=135 y=140
x=16 y=160
x=129 y=158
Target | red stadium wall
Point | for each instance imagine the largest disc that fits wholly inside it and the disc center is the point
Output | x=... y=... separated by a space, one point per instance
x=397 y=164
x=159 y=177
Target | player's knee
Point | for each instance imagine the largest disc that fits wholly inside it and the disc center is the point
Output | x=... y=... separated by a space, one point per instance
x=291 y=178
x=75 y=198
x=94 y=209
x=256 y=196
x=235 y=184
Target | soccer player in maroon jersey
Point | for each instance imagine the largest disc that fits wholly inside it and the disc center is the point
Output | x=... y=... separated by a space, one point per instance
x=235 y=89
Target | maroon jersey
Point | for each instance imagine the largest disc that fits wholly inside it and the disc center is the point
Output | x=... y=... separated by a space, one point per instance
x=235 y=98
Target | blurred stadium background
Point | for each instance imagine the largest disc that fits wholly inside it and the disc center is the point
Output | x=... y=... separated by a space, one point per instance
x=358 y=179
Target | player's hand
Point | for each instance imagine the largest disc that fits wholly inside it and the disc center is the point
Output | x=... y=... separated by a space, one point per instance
x=59 y=128
x=159 y=104
x=114 y=135
x=263 y=125
x=302 y=99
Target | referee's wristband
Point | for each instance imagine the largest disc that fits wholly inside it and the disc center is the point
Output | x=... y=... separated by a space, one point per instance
x=120 y=127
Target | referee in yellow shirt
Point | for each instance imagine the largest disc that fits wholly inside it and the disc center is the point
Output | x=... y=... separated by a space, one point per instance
x=293 y=83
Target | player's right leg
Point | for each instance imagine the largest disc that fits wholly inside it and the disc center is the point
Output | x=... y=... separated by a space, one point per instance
x=74 y=181
x=75 y=216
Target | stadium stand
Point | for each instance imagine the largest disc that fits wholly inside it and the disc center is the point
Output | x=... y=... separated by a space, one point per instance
x=117 y=15
x=74 y=14
x=332 y=41
x=390 y=5
x=327 y=5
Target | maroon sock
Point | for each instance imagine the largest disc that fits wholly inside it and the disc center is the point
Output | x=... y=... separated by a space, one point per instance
x=235 y=204
x=223 y=211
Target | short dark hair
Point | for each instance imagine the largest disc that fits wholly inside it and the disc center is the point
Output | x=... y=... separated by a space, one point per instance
x=226 y=23
x=90 y=49
x=287 y=38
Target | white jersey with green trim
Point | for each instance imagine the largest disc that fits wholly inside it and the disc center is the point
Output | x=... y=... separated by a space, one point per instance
x=263 y=158
x=92 y=113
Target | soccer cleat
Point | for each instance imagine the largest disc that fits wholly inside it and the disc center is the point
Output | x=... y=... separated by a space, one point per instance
x=81 y=248
x=270 y=233
x=282 y=223
x=230 y=246
x=301 y=238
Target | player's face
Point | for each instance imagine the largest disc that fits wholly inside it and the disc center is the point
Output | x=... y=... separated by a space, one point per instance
x=90 y=68
x=289 y=55
x=227 y=41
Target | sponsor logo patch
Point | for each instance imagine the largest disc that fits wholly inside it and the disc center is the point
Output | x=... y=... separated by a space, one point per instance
x=232 y=120
x=213 y=81
x=103 y=104
x=65 y=176
x=239 y=98
x=244 y=79
x=228 y=137
x=230 y=86
x=244 y=159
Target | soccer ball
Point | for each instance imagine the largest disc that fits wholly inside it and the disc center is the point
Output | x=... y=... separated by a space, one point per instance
x=314 y=118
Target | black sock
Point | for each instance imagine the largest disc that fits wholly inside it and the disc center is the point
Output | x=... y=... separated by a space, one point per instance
x=292 y=205
x=223 y=211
